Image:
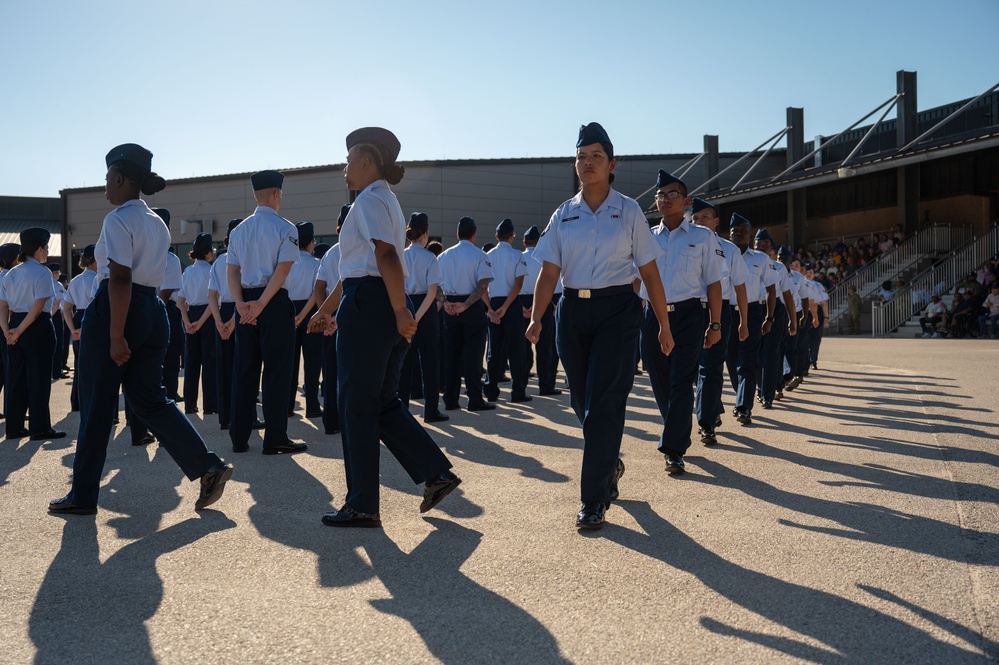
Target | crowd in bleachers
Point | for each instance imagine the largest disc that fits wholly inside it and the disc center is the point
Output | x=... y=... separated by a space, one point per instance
x=974 y=311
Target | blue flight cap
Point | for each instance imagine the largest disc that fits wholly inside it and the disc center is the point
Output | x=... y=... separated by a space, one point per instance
x=344 y=209
x=592 y=133
x=233 y=223
x=505 y=227
x=763 y=234
x=381 y=137
x=667 y=179
x=9 y=252
x=319 y=251
x=784 y=251
x=164 y=215
x=88 y=251
x=466 y=226
x=266 y=180
x=130 y=152
x=419 y=221
x=697 y=205
x=34 y=238
x=738 y=219
x=306 y=233
x=203 y=243
x=532 y=233
x=54 y=266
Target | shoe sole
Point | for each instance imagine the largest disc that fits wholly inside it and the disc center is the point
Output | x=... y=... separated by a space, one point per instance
x=74 y=511
x=439 y=496
x=675 y=471
x=356 y=524
x=279 y=451
x=217 y=492
x=587 y=526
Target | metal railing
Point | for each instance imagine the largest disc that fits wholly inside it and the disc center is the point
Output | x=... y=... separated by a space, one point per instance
x=939 y=279
x=888 y=266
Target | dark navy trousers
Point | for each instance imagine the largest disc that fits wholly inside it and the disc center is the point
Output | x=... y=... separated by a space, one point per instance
x=774 y=343
x=270 y=342
x=597 y=342
x=465 y=335
x=711 y=370
x=29 y=375
x=310 y=347
x=545 y=350
x=804 y=347
x=199 y=363
x=744 y=359
x=673 y=376
x=174 y=351
x=225 y=354
x=505 y=343
x=141 y=379
x=816 y=341
x=423 y=355
x=331 y=408
x=74 y=391
x=370 y=354
x=57 y=328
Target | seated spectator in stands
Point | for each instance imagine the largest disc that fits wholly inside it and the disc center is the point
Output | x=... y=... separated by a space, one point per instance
x=850 y=264
x=991 y=314
x=887 y=291
x=885 y=244
x=936 y=312
x=825 y=253
x=970 y=284
x=965 y=312
x=853 y=307
x=897 y=234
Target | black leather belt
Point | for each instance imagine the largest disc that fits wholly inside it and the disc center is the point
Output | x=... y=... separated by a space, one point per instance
x=598 y=293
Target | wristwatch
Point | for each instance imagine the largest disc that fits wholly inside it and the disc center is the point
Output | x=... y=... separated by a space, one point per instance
x=714 y=326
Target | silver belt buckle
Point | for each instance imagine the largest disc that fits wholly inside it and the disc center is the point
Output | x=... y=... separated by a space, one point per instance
x=584 y=293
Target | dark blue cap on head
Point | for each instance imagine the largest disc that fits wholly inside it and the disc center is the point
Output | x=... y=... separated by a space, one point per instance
x=64 y=278
x=266 y=180
x=9 y=252
x=203 y=242
x=532 y=233
x=379 y=136
x=130 y=152
x=505 y=227
x=697 y=205
x=419 y=221
x=667 y=179
x=54 y=266
x=233 y=223
x=466 y=226
x=34 y=237
x=306 y=233
x=592 y=133
x=319 y=251
x=763 y=234
x=164 y=215
x=344 y=209
x=88 y=251
x=738 y=219
x=784 y=251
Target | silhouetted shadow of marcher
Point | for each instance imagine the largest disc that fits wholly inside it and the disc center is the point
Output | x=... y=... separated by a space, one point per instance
x=458 y=619
x=15 y=456
x=92 y=612
x=851 y=631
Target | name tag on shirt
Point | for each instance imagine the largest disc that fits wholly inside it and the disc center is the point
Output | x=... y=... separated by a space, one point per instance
x=569 y=219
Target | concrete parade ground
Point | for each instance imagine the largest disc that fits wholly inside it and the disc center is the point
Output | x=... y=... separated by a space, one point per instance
x=856 y=522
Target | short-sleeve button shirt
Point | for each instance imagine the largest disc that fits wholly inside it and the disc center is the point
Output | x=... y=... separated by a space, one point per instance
x=196 y=278
x=259 y=244
x=799 y=290
x=329 y=269
x=25 y=283
x=302 y=278
x=81 y=288
x=423 y=269
x=759 y=275
x=463 y=266
x=601 y=248
x=218 y=280
x=691 y=261
x=374 y=215
x=508 y=264
x=735 y=268
x=135 y=237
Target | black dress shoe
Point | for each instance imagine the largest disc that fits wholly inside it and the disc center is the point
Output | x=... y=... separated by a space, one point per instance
x=313 y=414
x=286 y=449
x=437 y=418
x=211 y=412
x=331 y=432
x=718 y=422
x=224 y=428
x=550 y=393
x=47 y=435
x=258 y=424
x=144 y=441
x=213 y=484
x=347 y=516
x=768 y=405
x=521 y=398
x=451 y=407
x=240 y=449
x=438 y=488
x=744 y=418
x=591 y=516
x=485 y=406
x=64 y=506
x=779 y=395
x=674 y=465
x=618 y=472
x=708 y=437
x=491 y=398
x=190 y=412
x=17 y=434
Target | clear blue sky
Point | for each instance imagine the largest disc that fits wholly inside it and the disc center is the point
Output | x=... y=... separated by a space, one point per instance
x=220 y=86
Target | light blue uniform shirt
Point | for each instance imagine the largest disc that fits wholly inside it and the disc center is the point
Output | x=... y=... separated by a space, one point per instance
x=821 y=295
x=691 y=261
x=735 y=270
x=81 y=289
x=135 y=237
x=423 y=269
x=759 y=275
x=259 y=244
x=329 y=269
x=798 y=288
x=595 y=250
x=374 y=215
x=783 y=281
x=60 y=294
x=302 y=278
x=463 y=266
x=196 y=278
x=508 y=264
x=25 y=283
x=218 y=280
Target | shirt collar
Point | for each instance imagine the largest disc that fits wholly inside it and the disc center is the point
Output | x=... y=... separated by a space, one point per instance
x=614 y=200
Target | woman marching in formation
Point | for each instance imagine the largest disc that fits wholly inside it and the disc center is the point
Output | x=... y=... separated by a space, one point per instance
x=124 y=337
x=374 y=325
x=595 y=241
x=81 y=291
x=199 y=356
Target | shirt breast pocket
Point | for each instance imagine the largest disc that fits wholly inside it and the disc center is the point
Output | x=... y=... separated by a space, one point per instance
x=690 y=259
